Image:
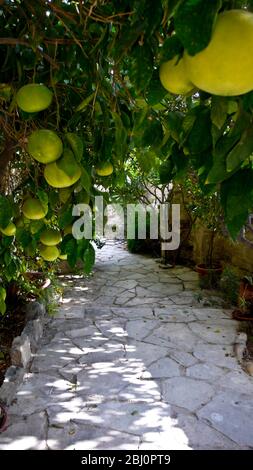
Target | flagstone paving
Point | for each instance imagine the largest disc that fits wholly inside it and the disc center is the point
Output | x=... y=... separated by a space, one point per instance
x=135 y=358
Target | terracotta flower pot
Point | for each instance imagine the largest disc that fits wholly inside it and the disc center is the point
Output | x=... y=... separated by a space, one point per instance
x=3 y=418
x=246 y=291
x=208 y=277
x=203 y=270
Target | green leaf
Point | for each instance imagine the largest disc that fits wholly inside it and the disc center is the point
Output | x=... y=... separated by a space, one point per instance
x=172 y=5
x=241 y=151
x=66 y=217
x=223 y=146
x=180 y=163
x=232 y=107
x=128 y=37
x=89 y=259
x=219 y=109
x=155 y=92
x=166 y=172
x=151 y=17
x=43 y=198
x=153 y=134
x=194 y=21
x=76 y=145
x=2 y=307
x=200 y=137
x=120 y=144
x=5 y=211
x=188 y=121
x=67 y=163
x=173 y=123
x=85 y=180
x=2 y=293
x=218 y=171
x=23 y=237
x=237 y=200
x=171 y=47
x=7 y=258
x=147 y=159
x=139 y=125
x=36 y=226
x=70 y=248
x=140 y=66
x=85 y=103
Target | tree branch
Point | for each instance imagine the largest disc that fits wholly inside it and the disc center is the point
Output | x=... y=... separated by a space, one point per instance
x=5 y=157
x=15 y=41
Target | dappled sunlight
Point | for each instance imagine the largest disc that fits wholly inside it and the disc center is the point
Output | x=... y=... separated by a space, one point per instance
x=21 y=443
x=119 y=377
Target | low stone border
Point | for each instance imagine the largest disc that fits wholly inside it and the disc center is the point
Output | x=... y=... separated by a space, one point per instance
x=240 y=349
x=22 y=350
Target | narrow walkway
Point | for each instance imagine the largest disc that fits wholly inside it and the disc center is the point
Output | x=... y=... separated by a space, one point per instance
x=133 y=360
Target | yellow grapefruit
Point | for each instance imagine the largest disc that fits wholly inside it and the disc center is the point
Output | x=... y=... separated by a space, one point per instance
x=33 y=209
x=34 y=97
x=225 y=66
x=64 y=172
x=45 y=146
x=10 y=230
x=50 y=237
x=174 y=78
x=64 y=257
x=104 y=169
x=49 y=253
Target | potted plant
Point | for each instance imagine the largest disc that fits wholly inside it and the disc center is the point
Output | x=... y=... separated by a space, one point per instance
x=245 y=300
x=230 y=284
x=210 y=216
x=246 y=288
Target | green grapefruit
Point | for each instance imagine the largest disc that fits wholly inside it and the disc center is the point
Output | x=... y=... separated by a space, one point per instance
x=49 y=253
x=45 y=146
x=64 y=172
x=104 y=169
x=50 y=237
x=33 y=209
x=34 y=97
x=174 y=78
x=225 y=66
x=10 y=230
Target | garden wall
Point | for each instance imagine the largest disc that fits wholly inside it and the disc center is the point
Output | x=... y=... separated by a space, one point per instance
x=237 y=254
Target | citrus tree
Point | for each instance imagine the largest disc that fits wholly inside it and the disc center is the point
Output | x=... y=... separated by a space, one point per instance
x=83 y=84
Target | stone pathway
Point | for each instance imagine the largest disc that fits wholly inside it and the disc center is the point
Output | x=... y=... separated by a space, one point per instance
x=134 y=360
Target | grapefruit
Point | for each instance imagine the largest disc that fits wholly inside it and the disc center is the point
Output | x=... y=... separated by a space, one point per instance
x=49 y=253
x=104 y=169
x=64 y=257
x=50 y=237
x=64 y=172
x=174 y=78
x=225 y=66
x=33 y=209
x=10 y=230
x=45 y=146
x=34 y=97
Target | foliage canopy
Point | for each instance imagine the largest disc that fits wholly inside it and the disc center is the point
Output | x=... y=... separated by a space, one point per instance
x=100 y=60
